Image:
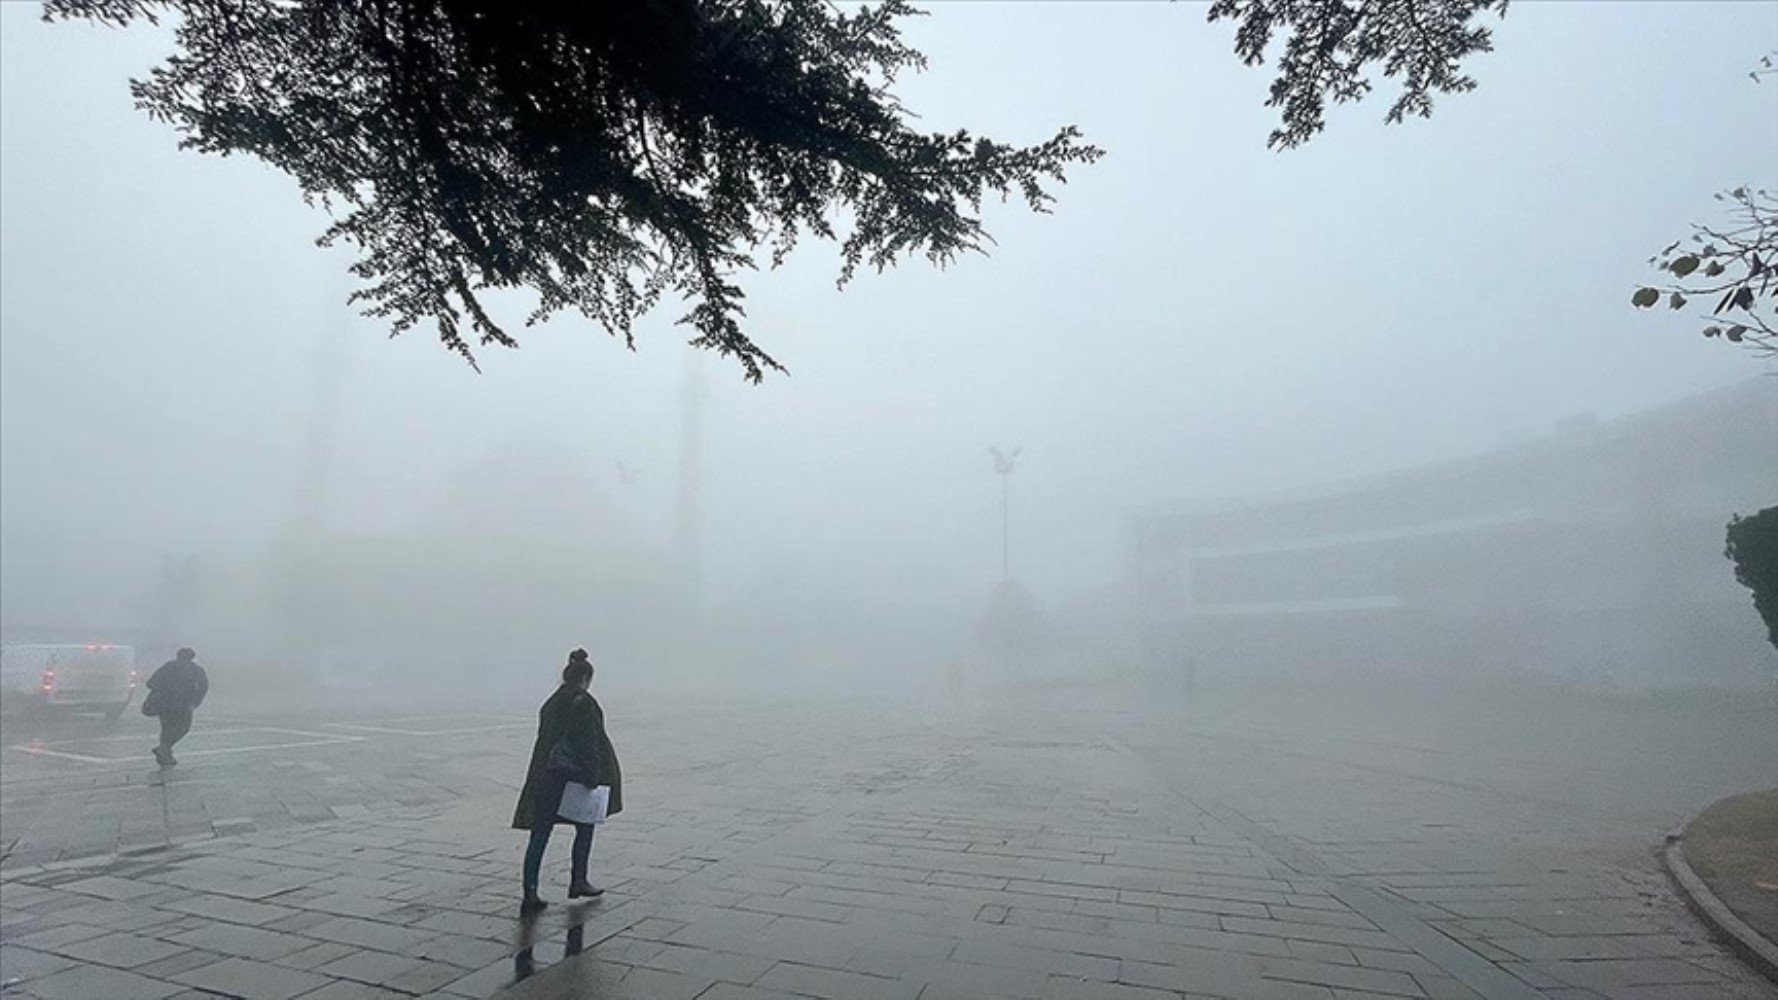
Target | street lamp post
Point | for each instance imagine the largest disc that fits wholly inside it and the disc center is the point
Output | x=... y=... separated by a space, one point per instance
x=1003 y=467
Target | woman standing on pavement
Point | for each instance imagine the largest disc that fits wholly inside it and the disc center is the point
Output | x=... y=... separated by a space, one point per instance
x=571 y=746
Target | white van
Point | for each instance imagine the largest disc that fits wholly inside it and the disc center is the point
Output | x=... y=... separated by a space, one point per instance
x=93 y=678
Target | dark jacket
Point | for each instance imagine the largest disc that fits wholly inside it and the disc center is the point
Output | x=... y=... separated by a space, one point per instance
x=178 y=686
x=574 y=719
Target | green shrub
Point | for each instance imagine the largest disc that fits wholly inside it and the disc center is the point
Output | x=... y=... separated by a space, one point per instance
x=1753 y=547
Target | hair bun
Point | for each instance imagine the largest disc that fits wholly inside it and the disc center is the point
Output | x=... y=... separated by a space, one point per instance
x=578 y=656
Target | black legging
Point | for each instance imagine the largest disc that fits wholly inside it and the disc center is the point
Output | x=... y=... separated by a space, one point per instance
x=175 y=723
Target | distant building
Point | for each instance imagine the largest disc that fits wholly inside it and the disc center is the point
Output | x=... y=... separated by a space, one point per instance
x=1594 y=554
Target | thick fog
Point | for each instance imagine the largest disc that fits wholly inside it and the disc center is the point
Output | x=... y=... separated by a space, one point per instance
x=203 y=444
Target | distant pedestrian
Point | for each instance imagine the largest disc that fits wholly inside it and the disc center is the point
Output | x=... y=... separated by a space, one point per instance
x=571 y=747
x=174 y=692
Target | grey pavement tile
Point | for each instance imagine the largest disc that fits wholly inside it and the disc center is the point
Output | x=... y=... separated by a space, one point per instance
x=966 y=977
x=1065 y=889
x=373 y=967
x=804 y=909
x=368 y=934
x=118 y=916
x=228 y=909
x=1317 y=951
x=252 y=980
x=1615 y=974
x=172 y=965
x=343 y=990
x=1075 y=988
x=122 y=951
x=345 y=905
x=55 y=938
x=835 y=983
x=483 y=982
x=1541 y=947
x=1399 y=961
x=1206 y=901
x=1328 y=917
x=477 y=925
x=1313 y=932
x=23 y=964
x=1044 y=960
x=730 y=991
x=1446 y=988
x=315 y=954
x=93 y=982
x=905 y=901
x=240 y=941
x=706 y=962
x=423 y=976
x=1341 y=976
x=1191 y=971
x=1061 y=921
x=462 y=952
x=652 y=984
x=964 y=881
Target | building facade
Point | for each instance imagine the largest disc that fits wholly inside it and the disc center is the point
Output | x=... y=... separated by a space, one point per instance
x=1594 y=554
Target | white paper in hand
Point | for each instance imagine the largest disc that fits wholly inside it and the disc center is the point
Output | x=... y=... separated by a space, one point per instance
x=581 y=804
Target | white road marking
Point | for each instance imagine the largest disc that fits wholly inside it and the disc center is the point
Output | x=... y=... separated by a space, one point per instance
x=427 y=732
x=45 y=752
x=310 y=739
x=272 y=746
x=313 y=740
x=149 y=735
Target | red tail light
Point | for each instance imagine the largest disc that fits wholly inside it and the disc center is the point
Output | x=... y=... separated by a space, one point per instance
x=49 y=681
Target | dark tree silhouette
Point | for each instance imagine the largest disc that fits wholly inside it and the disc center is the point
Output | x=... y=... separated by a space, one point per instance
x=1753 y=548
x=599 y=155
x=1331 y=45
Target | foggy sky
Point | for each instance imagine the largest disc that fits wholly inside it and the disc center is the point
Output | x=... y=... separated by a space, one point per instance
x=1199 y=316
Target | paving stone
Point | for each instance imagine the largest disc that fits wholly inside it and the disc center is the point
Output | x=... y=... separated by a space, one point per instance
x=183 y=961
x=705 y=962
x=243 y=942
x=1075 y=988
x=315 y=954
x=228 y=909
x=111 y=887
x=22 y=964
x=343 y=990
x=1343 y=976
x=58 y=937
x=462 y=952
x=834 y=983
x=122 y=951
x=93 y=982
x=423 y=976
x=373 y=967
x=252 y=980
x=730 y=991
x=369 y=934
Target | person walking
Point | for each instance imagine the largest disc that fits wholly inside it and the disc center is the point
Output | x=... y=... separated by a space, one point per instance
x=174 y=692
x=571 y=746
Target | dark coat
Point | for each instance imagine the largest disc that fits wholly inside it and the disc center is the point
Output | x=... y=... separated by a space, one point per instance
x=574 y=719
x=178 y=686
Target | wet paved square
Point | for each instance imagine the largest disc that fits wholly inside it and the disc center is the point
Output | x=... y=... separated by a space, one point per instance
x=1056 y=844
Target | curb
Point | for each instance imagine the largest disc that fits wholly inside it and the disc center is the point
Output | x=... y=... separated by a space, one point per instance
x=1747 y=943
